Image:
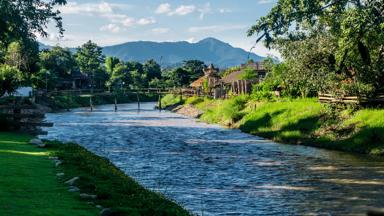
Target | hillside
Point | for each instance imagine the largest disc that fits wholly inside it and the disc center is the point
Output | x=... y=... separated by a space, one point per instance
x=209 y=50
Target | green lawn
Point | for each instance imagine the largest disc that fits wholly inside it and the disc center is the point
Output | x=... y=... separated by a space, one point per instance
x=28 y=182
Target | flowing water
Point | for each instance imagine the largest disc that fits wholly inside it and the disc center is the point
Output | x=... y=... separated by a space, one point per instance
x=216 y=171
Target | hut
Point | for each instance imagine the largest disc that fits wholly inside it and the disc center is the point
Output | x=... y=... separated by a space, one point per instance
x=209 y=84
x=240 y=82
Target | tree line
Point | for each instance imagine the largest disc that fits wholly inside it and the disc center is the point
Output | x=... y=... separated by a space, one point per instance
x=328 y=46
x=22 y=64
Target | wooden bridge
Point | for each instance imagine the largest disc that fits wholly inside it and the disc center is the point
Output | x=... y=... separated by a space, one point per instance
x=89 y=93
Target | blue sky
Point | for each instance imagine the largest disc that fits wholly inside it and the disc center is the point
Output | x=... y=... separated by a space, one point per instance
x=111 y=22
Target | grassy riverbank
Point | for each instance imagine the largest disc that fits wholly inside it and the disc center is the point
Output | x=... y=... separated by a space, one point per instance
x=67 y=101
x=29 y=185
x=28 y=182
x=298 y=121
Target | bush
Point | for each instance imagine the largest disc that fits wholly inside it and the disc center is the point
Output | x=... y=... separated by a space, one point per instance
x=170 y=99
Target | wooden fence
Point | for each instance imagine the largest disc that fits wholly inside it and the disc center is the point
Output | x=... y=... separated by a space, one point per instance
x=328 y=98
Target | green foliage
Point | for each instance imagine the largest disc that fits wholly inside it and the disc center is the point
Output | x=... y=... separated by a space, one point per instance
x=22 y=20
x=326 y=42
x=226 y=112
x=169 y=100
x=152 y=69
x=262 y=91
x=90 y=59
x=119 y=77
x=10 y=79
x=113 y=188
x=110 y=64
x=249 y=73
x=194 y=69
x=55 y=65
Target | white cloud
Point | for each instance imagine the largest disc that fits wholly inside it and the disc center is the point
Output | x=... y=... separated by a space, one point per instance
x=111 y=28
x=191 y=40
x=205 y=10
x=215 y=28
x=163 y=8
x=225 y=10
x=265 y=1
x=128 y=22
x=146 y=21
x=160 y=30
x=183 y=10
x=87 y=8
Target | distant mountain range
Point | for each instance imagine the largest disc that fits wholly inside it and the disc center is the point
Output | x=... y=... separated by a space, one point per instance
x=209 y=50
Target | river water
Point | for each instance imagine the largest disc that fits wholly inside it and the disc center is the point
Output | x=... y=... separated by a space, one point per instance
x=216 y=171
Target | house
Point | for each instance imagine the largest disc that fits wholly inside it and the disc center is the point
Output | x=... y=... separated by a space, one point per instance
x=76 y=80
x=209 y=83
x=240 y=82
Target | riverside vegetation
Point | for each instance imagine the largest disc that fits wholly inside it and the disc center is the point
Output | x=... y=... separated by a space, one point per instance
x=295 y=121
x=30 y=185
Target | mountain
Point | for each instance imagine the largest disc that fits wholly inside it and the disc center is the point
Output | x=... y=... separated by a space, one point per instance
x=209 y=50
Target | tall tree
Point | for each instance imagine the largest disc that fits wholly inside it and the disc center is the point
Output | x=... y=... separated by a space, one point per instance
x=152 y=69
x=90 y=59
x=56 y=65
x=21 y=20
x=110 y=64
x=194 y=69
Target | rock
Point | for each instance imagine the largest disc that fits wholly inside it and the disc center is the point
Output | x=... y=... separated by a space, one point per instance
x=106 y=212
x=72 y=181
x=73 y=189
x=36 y=142
x=60 y=174
x=58 y=163
x=41 y=145
x=87 y=196
x=188 y=110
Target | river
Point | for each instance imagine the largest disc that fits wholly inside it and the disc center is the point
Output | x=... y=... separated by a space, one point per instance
x=212 y=170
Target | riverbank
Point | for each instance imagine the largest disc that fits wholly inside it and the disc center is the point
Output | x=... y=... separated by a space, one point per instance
x=66 y=179
x=295 y=121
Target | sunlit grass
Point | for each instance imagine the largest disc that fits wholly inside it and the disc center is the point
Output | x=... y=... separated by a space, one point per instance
x=299 y=121
x=28 y=182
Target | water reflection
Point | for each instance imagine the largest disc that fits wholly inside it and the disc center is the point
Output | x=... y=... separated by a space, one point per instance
x=218 y=171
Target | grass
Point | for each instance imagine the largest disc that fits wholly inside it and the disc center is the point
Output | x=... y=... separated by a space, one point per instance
x=299 y=121
x=170 y=99
x=29 y=185
x=28 y=182
x=113 y=188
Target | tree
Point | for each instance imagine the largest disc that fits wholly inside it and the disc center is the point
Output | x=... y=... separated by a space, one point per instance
x=176 y=77
x=110 y=64
x=152 y=69
x=10 y=79
x=194 y=68
x=119 y=77
x=90 y=59
x=353 y=27
x=21 y=20
x=139 y=80
x=56 y=64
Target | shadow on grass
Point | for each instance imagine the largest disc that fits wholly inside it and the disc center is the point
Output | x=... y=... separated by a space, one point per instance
x=253 y=125
x=366 y=140
x=297 y=132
